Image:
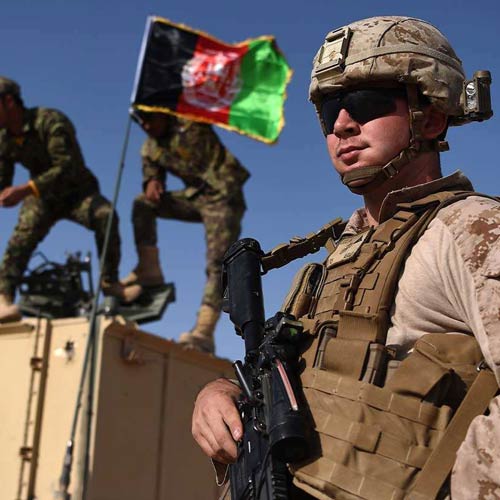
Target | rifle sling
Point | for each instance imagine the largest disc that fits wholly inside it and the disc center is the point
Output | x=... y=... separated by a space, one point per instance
x=282 y=254
x=225 y=493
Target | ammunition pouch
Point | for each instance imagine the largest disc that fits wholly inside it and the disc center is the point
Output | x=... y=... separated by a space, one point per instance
x=374 y=441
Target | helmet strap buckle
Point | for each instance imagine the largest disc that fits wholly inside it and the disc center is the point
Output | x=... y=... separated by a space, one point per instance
x=416 y=124
x=443 y=146
x=390 y=170
x=417 y=116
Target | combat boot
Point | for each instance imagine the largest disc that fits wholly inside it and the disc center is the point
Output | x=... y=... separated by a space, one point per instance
x=8 y=310
x=122 y=292
x=148 y=270
x=201 y=336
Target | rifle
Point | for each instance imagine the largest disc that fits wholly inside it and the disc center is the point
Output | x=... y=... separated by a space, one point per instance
x=274 y=428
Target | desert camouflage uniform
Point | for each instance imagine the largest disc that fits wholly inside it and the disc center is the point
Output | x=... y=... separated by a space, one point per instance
x=450 y=284
x=213 y=195
x=67 y=189
x=476 y=471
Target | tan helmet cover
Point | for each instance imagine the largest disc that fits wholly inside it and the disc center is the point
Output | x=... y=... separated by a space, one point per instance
x=389 y=50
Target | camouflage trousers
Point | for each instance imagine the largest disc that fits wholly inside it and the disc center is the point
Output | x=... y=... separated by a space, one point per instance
x=37 y=217
x=221 y=218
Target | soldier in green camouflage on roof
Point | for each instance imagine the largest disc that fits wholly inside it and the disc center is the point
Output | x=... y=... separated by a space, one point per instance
x=213 y=195
x=60 y=187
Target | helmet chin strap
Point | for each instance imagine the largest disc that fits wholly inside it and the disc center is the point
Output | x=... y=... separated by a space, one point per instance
x=365 y=179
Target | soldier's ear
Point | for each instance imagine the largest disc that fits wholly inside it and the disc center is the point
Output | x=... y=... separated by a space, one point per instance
x=435 y=123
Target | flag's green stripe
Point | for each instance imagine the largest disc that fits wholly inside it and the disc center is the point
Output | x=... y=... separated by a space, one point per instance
x=258 y=107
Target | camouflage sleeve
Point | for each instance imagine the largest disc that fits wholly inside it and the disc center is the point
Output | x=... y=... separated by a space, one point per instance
x=64 y=152
x=203 y=143
x=6 y=172
x=6 y=163
x=151 y=169
x=476 y=470
x=222 y=171
x=475 y=226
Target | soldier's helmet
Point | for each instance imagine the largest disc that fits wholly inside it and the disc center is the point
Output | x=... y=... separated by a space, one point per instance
x=396 y=51
x=8 y=86
x=388 y=51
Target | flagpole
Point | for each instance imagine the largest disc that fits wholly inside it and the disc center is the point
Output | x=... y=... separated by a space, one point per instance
x=142 y=53
x=91 y=350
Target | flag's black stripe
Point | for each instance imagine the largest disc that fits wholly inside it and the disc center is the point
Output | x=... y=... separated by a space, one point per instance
x=167 y=50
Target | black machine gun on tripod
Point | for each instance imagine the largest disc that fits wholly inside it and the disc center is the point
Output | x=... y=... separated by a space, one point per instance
x=56 y=290
x=274 y=428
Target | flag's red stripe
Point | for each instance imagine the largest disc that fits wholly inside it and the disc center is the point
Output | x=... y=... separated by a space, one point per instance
x=221 y=115
x=209 y=46
x=205 y=44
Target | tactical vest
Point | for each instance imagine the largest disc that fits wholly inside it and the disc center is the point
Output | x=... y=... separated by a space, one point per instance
x=385 y=429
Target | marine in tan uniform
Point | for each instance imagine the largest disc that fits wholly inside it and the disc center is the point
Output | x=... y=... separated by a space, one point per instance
x=385 y=90
x=60 y=187
x=213 y=196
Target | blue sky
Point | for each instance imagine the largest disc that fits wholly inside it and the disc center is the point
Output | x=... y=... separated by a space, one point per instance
x=80 y=57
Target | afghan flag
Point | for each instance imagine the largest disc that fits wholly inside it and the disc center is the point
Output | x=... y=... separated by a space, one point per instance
x=189 y=73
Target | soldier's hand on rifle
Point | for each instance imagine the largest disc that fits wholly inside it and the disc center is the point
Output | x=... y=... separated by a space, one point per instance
x=216 y=424
x=154 y=190
x=12 y=195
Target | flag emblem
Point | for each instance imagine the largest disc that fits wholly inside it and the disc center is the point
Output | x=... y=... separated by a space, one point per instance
x=211 y=80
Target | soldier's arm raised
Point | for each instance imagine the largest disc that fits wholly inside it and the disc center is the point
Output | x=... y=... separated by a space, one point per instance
x=6 y=164
x=66 y=159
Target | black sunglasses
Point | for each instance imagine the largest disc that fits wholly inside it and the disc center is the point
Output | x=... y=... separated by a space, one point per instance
x=362 y=105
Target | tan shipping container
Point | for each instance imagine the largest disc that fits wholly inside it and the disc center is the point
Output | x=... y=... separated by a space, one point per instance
x=140 y=443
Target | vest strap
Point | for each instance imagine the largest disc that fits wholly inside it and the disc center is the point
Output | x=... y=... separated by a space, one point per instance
x=441 y=461
x=299 y=247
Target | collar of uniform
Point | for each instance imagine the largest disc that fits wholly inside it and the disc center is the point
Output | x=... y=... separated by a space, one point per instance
x=357 y=222
x=457 y=181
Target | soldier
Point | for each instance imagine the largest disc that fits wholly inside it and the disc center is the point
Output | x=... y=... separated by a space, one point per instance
x=213 y=195
x=60 y=187
x=393 y=347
